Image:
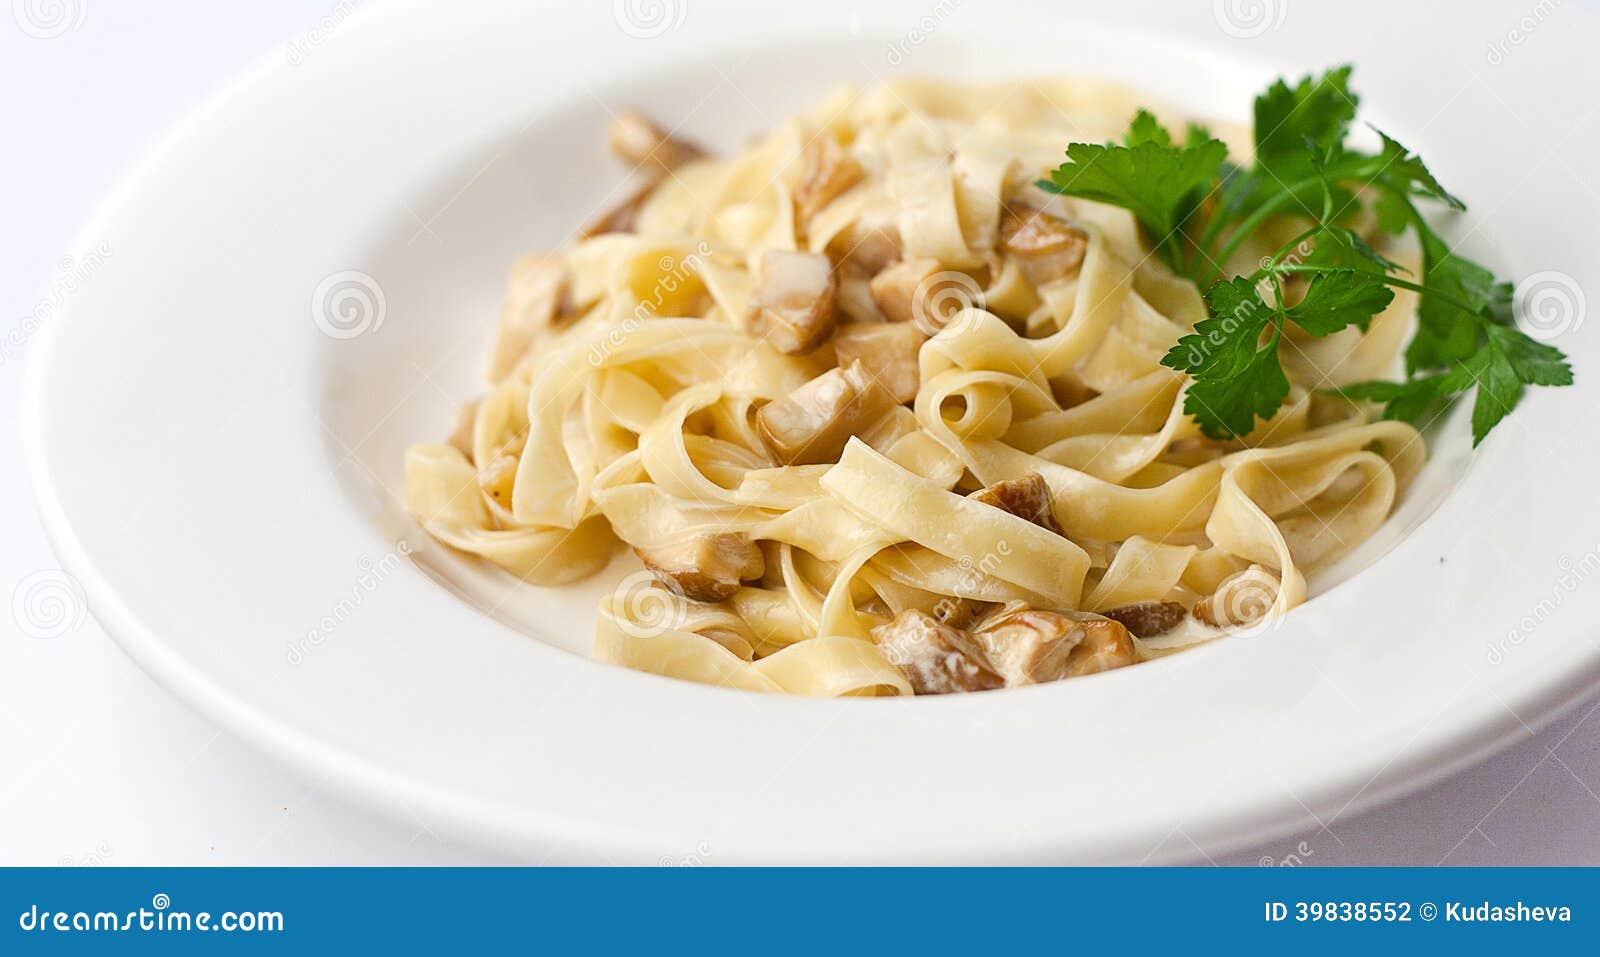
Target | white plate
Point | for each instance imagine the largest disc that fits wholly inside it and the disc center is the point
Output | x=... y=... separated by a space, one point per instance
x=221 y=473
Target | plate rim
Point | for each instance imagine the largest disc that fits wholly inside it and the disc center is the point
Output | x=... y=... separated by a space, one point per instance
x=1447 y=753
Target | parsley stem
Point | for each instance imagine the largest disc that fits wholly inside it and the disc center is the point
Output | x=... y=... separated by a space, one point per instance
x=1253 y=222
x=1398 y=283
x=1275 y=261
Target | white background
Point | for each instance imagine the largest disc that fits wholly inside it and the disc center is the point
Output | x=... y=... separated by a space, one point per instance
x=98 y=765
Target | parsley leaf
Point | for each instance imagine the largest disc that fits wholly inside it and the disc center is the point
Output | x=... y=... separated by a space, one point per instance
x=1446 y=331
x=1409 y=401
x=1229 y=407
x=1145 y=128
x=1158 y=183
x=1318 y=111
x=1534 y=362
x=1403 y=166
x=1342 y=248
x=1205 y=212
x=1340 y=298
x=1508 y=362
x=1237 y=377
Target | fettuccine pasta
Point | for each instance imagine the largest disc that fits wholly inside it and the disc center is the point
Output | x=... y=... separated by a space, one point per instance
x=880 y=416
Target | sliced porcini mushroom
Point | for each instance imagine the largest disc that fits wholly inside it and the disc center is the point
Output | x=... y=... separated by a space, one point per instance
x=871 y=243
x=1030 y=647
x=887 y=351
x=935 y=658
x=654 y=154
x=708 y=568
x=960 y=612
x=830 y=171
x=792 y=306
x=621 y=216
x=637 y=140
x=812 y=424
x=1026 y=497
x=1106 y=645
x=1045 y=246
x=895 y=289
x=1147 y=619
x=855 y=296
x=536 y=302
x=1243 y=598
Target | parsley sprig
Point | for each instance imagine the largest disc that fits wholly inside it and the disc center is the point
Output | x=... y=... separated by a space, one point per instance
x=1199 y=208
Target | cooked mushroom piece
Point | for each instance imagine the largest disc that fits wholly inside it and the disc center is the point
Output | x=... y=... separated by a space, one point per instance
x=871 y=243
x=654 y=154
x=888 y=352
x=536 y=302
x=855 y=296
x=1030 y=647
x=960 y=612
x=1106 y=645
x=933 y=657
x=812 y=424
x=1026 y=497
x=1242 y=598
x=793 y=302
x=1046 y=247
x=622 y=215
x=829 y=172
x=1147 y=619
x=895 y=291
x=634 y=138
x=707 y=567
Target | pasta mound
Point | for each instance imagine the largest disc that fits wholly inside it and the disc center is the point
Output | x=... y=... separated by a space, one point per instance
x=880 y=416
